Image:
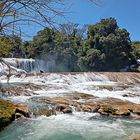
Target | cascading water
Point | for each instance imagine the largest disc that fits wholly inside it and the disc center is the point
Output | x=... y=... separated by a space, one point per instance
x=78 y=125
x=28 y=65
x=44 y=66
x=25 y=64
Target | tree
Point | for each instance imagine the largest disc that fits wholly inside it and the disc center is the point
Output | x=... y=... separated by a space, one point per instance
x=5 y=47
x=15 y=13
x=136 y=48
x=106 y=48
x=112 y=46
x=10 y=46
x=92 y=61
x=58 y=46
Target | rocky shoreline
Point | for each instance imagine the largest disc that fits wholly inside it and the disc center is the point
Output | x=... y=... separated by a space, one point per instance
x=87 y=103
x=79 y=102
x=10 y=111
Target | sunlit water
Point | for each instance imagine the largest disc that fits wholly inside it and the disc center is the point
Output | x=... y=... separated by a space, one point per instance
x=79 y=125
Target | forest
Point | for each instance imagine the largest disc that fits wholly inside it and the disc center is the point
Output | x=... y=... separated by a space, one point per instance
x=71 y=47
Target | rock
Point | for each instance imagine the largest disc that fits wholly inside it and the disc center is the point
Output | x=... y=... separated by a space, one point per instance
x=106 y=110
x=136 y=137
x=78 y=95
x=22 y=109
x=105 y=106
x=15 y=90
x=7 y=113
x=67 y=110
x=62 y=100
x=123 y=77
x=86 y=108
x=130 y=95
x=61 y=107
x=108 y=87
x=117 y=107
x=46 y=112
x=96 y=108
x=18 y=115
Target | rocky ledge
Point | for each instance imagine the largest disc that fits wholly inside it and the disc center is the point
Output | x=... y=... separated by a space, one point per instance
x=88 y=103
x=9 y=111
x=18 y=90
x=81 y=102
x=136 y=137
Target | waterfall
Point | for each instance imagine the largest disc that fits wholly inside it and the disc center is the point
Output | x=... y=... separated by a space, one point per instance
x=27 y=65
x=45 y=66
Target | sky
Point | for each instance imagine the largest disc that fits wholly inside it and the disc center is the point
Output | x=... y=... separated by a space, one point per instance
x=126 y=12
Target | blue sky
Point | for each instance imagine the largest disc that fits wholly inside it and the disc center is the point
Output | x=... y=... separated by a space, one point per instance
x=126 y=12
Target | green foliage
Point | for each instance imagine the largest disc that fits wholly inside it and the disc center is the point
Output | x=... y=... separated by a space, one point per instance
x=106 y=48
x=5 y=47
x=55 y=46
x=109 y=47
x=136 y=47
x=10 y=46
x=17 y=46
x=92 y=61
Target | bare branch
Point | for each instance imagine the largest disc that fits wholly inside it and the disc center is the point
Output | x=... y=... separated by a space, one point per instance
x=17 y=13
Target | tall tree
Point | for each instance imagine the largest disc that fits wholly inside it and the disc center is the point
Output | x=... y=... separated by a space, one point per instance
x=107 y=47
x=136 y=46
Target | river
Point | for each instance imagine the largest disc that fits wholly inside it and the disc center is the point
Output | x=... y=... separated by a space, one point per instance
x=78 y=125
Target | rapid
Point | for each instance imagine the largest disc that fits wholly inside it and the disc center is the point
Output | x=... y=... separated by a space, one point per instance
x=77 y=125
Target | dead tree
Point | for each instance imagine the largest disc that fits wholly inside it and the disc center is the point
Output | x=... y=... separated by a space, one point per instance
x=14 y=14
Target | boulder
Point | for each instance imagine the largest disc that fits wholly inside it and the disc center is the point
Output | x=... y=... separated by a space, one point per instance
x=61 y=107
x=9 y=111
x=16 y=91
x=18 y=115
x=136 y=137
x=105 y=106
x=86 y=108
x=78 y=95
x=46 y=112
x=67 y=110
x=23 y=110
x=117 y=107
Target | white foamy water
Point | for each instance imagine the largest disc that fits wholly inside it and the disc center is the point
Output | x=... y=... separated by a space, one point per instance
x=78 y=126
x=97 y=84
x=24 y=64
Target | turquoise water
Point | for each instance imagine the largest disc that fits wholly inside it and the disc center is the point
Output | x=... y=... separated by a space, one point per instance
x=79 y=126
